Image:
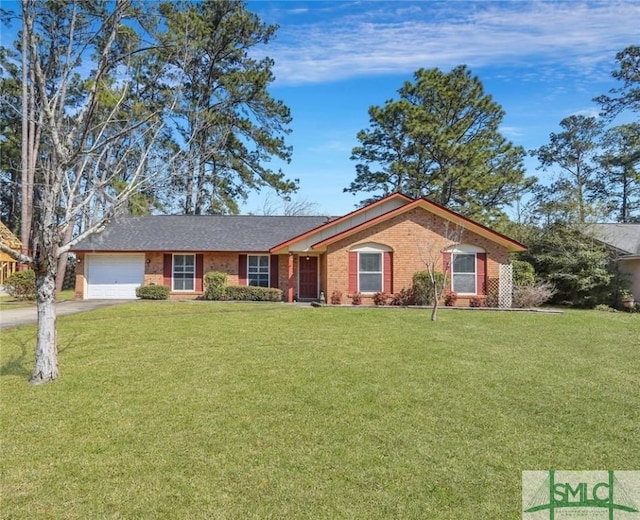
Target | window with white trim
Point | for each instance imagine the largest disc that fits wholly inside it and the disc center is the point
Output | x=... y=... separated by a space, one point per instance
x=184 y=272
x=258 y=270
x=463 y=273
x=369 y=272
x=370 y=267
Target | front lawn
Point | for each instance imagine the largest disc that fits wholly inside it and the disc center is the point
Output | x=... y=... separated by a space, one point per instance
x=249 y=411
x=9 y=302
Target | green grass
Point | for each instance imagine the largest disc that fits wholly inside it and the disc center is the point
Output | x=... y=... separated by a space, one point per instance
x=9 y=302
x=239 y=411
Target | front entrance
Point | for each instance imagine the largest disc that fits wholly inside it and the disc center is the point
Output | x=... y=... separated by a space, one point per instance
x=308 y=278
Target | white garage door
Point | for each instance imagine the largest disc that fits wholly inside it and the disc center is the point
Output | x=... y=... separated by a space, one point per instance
x=114 y=276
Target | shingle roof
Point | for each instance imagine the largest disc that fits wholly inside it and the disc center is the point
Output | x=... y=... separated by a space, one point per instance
x=199 y=233
x=624 y=237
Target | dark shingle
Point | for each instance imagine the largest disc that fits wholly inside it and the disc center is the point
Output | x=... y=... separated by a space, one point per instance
x=199 y=233
x=624 y=237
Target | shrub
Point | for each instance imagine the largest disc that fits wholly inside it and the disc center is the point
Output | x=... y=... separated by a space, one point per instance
x=423 y=287
x=532 y=295
x=476 y=301
x=604 y=308
x=356 y=299
x=523 y=273
x=492 y=300
x=215 y=283
x=336 y=297
x=22 y=285
x=380 y=298
x=249 y=293
x=403 y=298
x=450 y=298
x=153 y=292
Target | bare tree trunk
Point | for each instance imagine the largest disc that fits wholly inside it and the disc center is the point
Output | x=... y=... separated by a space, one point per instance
x=46 y=364
x=436 y=297
x=64 y=257
x=200 y=187
x=25 y=223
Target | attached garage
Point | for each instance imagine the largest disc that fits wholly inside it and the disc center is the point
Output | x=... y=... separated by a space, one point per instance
x=112 y=276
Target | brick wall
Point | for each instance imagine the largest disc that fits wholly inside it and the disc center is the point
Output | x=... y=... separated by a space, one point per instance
x=414 y=237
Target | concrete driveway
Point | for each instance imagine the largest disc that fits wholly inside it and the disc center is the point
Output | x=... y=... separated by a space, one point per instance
x=27 y=315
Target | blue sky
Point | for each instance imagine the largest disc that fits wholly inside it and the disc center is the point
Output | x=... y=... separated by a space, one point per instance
x=541 y=61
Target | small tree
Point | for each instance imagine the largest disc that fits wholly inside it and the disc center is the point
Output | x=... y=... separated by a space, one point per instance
x=431 y=252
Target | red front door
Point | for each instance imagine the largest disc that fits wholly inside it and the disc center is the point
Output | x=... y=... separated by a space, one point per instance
x=308 y=278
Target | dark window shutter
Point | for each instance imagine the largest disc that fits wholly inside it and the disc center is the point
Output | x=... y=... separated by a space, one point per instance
x=166 y=270
x=446 y=267
x=242 y=269
x=481 y=270
x=353 y=272
x=199 y=273
x=274 y=272
x=387 y=272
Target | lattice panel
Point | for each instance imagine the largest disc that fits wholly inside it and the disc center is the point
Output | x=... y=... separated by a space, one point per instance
x=505 y=286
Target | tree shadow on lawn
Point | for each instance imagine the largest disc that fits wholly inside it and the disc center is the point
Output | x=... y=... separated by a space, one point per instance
x=15 y=365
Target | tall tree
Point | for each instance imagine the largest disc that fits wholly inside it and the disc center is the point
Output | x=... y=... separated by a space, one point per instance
x=578 y=187
x=621 y=163
x=10 y=129
x=626 y=97
x=441 y=140
x=85 y=148
x=227 y=123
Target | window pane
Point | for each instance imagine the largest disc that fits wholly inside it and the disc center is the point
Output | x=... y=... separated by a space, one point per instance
x=184 y=272
x=183 y=282
x=259 y=280
x=464 y=283
x=258 y=271
x=370 y=282
x=464 y=263
x=370 y=262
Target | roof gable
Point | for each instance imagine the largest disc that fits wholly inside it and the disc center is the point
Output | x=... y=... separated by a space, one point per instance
x=427 y=205
x=342 y=224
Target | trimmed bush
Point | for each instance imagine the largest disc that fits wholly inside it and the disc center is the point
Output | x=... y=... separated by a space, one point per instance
x=356 y=299
x=336 y=297
x=450 y=299
x=215 y=284
x=476 y=301
x=380 y=298
x=403 y=298
x=153 y=292
x=22 y=285
x=423 y=287
x=249 y=293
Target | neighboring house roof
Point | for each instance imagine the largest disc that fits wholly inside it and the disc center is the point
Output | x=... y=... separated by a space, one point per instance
x=198 y=233
x=8 y=238
x=623 y=237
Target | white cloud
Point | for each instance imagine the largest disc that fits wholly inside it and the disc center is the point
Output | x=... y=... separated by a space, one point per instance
x=384 y=39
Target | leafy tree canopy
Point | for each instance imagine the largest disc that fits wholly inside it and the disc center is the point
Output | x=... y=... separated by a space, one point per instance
x=440 y=140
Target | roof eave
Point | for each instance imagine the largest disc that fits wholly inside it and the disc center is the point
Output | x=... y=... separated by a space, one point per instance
x=509 y=244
